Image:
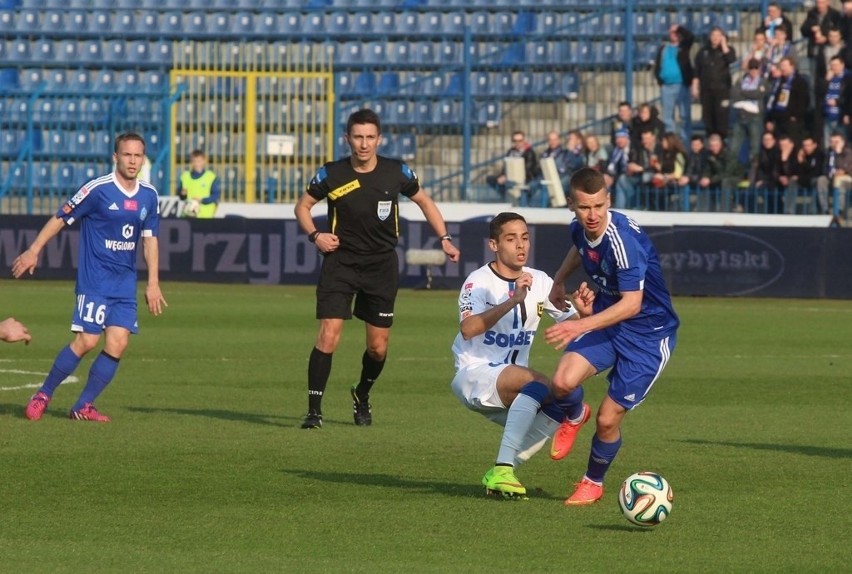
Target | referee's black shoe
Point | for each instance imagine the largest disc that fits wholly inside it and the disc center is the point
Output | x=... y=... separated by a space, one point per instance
x=361 y=410
x=313 y=420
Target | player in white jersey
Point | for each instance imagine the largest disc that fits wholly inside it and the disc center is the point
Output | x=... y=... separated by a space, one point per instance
x=116 y=211
x=500 y=307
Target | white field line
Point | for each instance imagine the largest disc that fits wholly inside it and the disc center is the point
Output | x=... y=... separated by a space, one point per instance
x=68 y=380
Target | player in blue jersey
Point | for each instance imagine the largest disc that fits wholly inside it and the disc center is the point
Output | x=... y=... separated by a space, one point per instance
x=114 y=211
x=632 y=329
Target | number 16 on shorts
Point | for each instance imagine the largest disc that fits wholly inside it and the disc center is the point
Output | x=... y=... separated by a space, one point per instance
x=94 y=313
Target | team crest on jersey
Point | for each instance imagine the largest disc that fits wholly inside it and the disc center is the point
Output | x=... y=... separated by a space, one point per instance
x=539 y=308
x=79 y=196
x=143 y=214
x=384 y=209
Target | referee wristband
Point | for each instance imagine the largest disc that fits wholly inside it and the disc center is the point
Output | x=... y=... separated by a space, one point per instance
x=313 y=236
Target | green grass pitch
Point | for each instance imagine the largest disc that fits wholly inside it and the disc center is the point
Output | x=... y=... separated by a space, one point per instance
x=205 y=469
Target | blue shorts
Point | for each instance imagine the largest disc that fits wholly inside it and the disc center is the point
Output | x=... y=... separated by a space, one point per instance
x=95 y=313
x=636 y=362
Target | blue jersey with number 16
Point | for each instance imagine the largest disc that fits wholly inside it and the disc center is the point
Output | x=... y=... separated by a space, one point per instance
x=111 y=222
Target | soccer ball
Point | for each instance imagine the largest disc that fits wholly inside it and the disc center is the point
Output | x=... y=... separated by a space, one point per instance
x=190 y=208
x=645 y=498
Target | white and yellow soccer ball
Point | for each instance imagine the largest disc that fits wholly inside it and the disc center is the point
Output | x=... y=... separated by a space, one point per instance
x=190 y=208
x=645 y=498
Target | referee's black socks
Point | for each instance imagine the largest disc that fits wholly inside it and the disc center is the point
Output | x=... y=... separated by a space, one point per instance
x=370 y=371
x=319 y=369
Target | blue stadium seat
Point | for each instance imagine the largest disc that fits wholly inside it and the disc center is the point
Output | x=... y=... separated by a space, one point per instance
x=400 y=53
x=422 y=113
x=401 y=111
x=480 y=84
x=65 y=176
x=128 y=81
x=547 y=84
x=53 y=20
x=171 y=23
x=28 y=21
x=3 y=53
x=345 y=83
x=361 y=22
x=388 y=84
x=660 y=23
x=69 y=110
x=122 y=21
x=8 y=21
x=54 y=142
x=103 y=81
x=242 y=23
x=19 y=50
x=433 y=85
x=350 y=53
x=430 y=23
x=489 y=114
x=539 y=53
x=365 y=84
x=219 y=23
x=66 y=50
x=313 y=24
x=524 y=23
x=155 y=81
x=447 y=113
x=406 y=146
x=57 y=80
x=385 y=22
x=98 y=22
x=115 y=51
x=502 y=23
x=547 y=23
x=42 y=51
x=455 y=87
x=9 y=79
x=375 y=52
x=525 y=86
x=503 y=84
x=10 y=142
x=449 y=53
x=729 y=22
x=407 y=23
x=146 y=23
x=90 y=51
x=454 y=23
x=338 y=23
x=43 y=177
x=423 y=53
x=161 y=52
x=31 y=78
x=387 y=147
x=194 y=23
x=138 y=51
x=269 y=23
x=570 y=85
x=514 y=54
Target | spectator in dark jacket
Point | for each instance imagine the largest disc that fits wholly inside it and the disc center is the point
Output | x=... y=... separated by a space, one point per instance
x=811 y=166
x=788 y=103
x=623 y=121
x=819 y=20
x=720 y=177
x=775 y=19
x=748 y=108
x=712 y=82
x=647 y=120
x=674 y=73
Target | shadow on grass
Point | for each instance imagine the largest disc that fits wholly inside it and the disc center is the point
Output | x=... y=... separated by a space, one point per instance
x=823 y=451
x=472 y=490
x=221 y=415
x=619 y=528
x=17 y=410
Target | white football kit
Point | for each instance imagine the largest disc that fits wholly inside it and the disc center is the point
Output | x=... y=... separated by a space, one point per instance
x=480 y=360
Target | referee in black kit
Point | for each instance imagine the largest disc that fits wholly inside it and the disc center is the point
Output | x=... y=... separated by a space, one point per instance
x=360 y=261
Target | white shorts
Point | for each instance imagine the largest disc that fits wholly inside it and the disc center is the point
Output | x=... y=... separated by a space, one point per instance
x=476 y=388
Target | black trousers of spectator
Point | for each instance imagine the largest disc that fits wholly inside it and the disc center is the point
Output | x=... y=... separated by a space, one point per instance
x=714 y=110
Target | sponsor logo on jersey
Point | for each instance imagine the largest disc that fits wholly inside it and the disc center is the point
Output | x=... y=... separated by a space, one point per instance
x=593 y=256
x=519 y=339
x=131 y=205
x=631 y=397
x=114 y=245
x=127 y=231
x=79 y=197
x=113 y=207
x=344 y=189
x=384 y=209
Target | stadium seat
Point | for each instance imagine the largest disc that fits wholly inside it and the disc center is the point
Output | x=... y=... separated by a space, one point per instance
x=8 y=22
x=138 y=51
x=423 y=53
x=514 y=54
x=449 y=53
x=19 y=50
x=480 y=23
x=503 y=85
x=270 y=23
x=10 y=142
x=65 y=177
x=122 y=21
x=116 y=51
x=54 y=142
x=388 y=84
x=52 y=20
x=146 y=23
x=455 y=87
x=289 y=24
x=98 y=22
x=480 y=84
x=524 y=23
x=547 y=23
x=375 y=52
x=57 y=80
x=660 y=23
x=9 y=79
x=430 y=23
x=31 y=79
x=400 y=111
x=43 y=176
x=407 y=23
x=570 y=83
x=489 y=114
x=400 y=53
x=338 y=23
x=161 y=52
x=539 y=53
x=406 y=145
x=422 y=113
x=103 y=81
x=350 y=53
x=90 y=51
x=28 y=21
x=434 y=85
x=194 y=23
x=154 y=81
x=171 y=24
x=345 y=83
x=365 y=84
x=42 y=51
x=313 y=24
x=361 y=22
x=242 y=23
x=219 y=23
x=502 y=23
x=454 y=23
x=447 y=113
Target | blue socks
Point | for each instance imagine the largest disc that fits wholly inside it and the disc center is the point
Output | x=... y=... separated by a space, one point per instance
x=65 y=363
x=102 y=371
x=572 y=403
x=519 y=420
x=601 y=456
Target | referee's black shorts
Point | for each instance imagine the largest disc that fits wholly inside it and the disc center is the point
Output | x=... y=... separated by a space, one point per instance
x=372 y=280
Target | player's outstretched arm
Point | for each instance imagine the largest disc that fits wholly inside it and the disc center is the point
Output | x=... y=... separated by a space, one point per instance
x=436 y=220
x=559 y=335
x=12 y=331
x=26 y=262
x=153 y=296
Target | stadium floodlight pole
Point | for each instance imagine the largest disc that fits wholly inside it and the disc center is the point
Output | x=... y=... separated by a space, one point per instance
x=467 y=116
x=628 y=51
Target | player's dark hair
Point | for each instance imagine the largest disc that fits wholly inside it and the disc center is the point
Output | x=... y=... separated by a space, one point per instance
x=196 y=153
x=363 y=116
x=128 y=137
x=587 y=180
x=501 y=219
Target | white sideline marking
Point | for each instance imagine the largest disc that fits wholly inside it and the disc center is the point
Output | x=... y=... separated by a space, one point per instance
x=68 y=380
